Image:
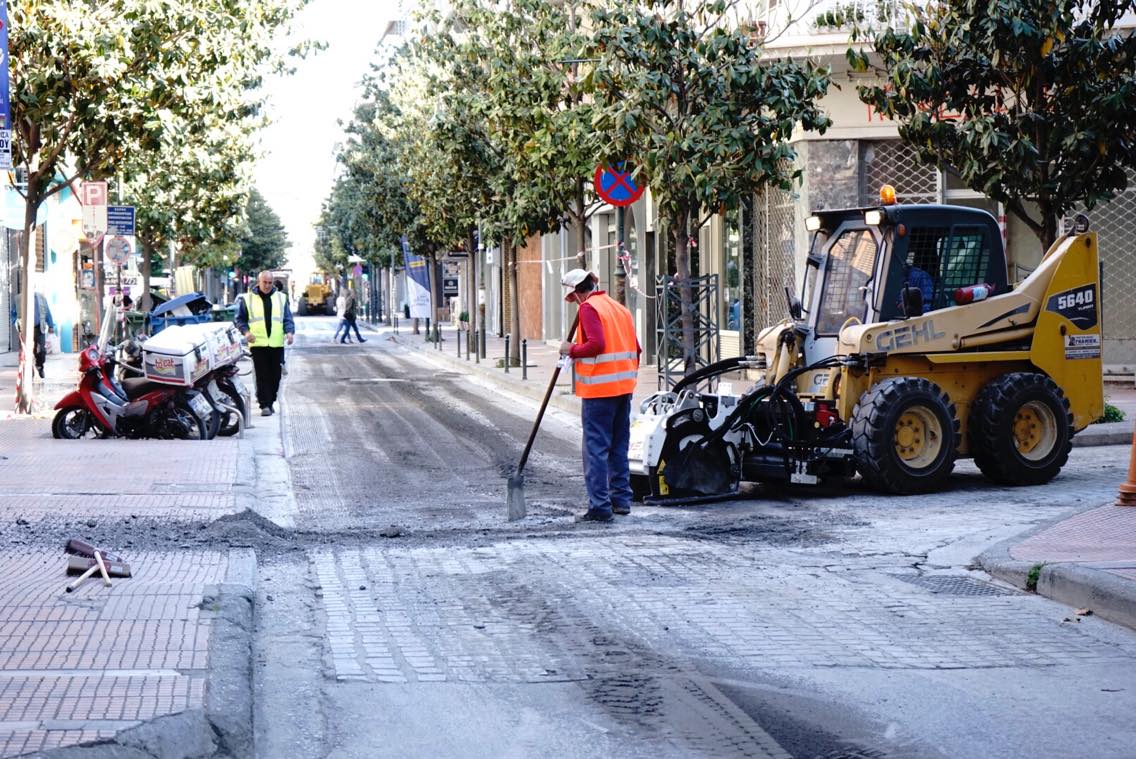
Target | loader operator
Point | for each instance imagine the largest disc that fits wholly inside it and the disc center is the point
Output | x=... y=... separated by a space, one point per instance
x=606 y=354
x=263 y=315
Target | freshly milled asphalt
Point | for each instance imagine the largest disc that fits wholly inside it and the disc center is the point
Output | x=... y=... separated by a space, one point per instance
x=804 y=623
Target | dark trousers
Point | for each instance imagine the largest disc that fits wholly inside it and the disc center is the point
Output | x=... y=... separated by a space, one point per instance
x=607 y=433
x=39 y=348
x=350 y=323
x=266 y=362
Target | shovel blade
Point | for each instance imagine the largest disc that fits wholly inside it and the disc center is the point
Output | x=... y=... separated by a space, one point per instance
x=516 y=497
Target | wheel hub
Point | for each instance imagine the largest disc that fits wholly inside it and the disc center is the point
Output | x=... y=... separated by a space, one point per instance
x=1035 y=430
x=918 y=437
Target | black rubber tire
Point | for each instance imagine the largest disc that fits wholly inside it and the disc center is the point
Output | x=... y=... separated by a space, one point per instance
x=874 y=421
x=990 y=429
x=302 y=307
x=197 y=429
x=229 y=425
x=61 y=429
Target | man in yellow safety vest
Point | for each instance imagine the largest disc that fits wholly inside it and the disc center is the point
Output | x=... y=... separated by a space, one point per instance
x=265 y=318
x=606 y=355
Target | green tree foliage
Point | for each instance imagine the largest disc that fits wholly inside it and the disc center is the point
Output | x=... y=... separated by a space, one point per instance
x=1032 y=103
x=264 y=243
x=706 y=116
x=91 y=81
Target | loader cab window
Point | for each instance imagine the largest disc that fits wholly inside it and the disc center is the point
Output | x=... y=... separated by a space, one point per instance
x=849 y=265
x=812 y=266
x=938 y=260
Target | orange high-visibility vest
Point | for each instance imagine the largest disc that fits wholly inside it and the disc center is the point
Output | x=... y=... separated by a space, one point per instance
x=614 y=371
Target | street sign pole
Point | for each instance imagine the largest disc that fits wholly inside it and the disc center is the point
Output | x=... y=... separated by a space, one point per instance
x=120 y=313
x=620 y=269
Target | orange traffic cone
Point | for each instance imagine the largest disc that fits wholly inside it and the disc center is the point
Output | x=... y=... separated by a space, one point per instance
x=1127 y=495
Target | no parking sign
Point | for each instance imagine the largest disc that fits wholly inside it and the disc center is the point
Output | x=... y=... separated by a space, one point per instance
x=615 y=185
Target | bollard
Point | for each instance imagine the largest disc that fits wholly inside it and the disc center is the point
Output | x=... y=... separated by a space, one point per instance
x=396 y=325
x=470 y=338
x=483 y=333
x=457 y=339
x=507 y=337
x=524 y=359
x=476 y=346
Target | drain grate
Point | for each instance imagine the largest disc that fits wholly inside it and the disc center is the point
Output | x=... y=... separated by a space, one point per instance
x=953 y=585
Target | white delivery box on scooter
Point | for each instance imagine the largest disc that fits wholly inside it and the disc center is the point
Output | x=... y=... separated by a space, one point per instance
x=183 y=354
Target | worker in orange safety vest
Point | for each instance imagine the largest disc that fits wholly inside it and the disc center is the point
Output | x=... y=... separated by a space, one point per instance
x=606 y=355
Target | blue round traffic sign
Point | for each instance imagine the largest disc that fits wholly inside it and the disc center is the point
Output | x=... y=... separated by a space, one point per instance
x=615 y=185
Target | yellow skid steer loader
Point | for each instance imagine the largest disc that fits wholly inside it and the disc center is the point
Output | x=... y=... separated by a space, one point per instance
x=907 y=349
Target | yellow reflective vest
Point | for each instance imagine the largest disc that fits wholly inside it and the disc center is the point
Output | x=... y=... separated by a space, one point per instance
x=614 y=371
x=254 y=304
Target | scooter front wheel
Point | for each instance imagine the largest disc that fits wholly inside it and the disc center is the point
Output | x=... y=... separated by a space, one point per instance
x=74 y=423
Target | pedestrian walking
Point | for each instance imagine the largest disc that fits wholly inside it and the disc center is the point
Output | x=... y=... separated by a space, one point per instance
x=341 y=314
x=349 y=316
x=606 y=355
x=265 y=318
x=43 y=325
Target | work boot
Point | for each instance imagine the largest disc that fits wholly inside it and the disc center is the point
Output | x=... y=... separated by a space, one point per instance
x=362 y=340
x=593 y=516
x=621 y=510
x=40 y=372
x=266 y=411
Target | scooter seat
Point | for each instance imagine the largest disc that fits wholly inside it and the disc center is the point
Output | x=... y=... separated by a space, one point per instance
x=137 y=386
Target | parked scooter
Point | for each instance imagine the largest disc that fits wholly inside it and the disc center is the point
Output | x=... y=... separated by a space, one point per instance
x=224 y=389
x=103 y=406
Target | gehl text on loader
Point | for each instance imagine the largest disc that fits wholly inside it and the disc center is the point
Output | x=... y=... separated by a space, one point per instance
x=907 y=349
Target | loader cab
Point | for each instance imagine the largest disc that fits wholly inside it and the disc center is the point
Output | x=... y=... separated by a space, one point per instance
x=860 y=261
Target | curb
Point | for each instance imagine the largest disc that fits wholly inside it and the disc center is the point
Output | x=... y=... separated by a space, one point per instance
x=223 y=728
x=1083 y=587
x=1109 y=433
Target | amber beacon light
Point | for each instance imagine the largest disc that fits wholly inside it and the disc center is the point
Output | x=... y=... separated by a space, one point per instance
x=887 y=195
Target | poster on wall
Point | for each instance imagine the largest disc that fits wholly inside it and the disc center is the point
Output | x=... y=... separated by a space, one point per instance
x=418 y=283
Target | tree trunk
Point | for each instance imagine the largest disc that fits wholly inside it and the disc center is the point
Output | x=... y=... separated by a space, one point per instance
x=471 y=289
x=514 y=307
x=25 y=393
x=581 y=230
x=679 y=222
x=1049 y=228
x=435 y=301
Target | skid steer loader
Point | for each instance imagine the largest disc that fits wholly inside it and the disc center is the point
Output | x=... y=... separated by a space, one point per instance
x=907 y=349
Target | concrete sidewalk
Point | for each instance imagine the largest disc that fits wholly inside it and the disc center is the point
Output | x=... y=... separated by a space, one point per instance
x=1087 y=561
x=159 y=663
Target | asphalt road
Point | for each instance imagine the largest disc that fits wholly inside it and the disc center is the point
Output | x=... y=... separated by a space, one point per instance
x=794 y=624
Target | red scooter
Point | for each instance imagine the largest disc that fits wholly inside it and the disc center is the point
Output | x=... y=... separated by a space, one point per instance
x=102 y=406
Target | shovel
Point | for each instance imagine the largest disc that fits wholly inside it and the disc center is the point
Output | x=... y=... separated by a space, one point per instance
x=516 y=493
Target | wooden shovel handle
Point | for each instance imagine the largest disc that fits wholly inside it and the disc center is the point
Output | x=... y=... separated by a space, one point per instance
x=544 y=404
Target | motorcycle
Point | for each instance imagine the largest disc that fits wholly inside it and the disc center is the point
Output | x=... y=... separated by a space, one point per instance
x=104 y=406
x=224 y=389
